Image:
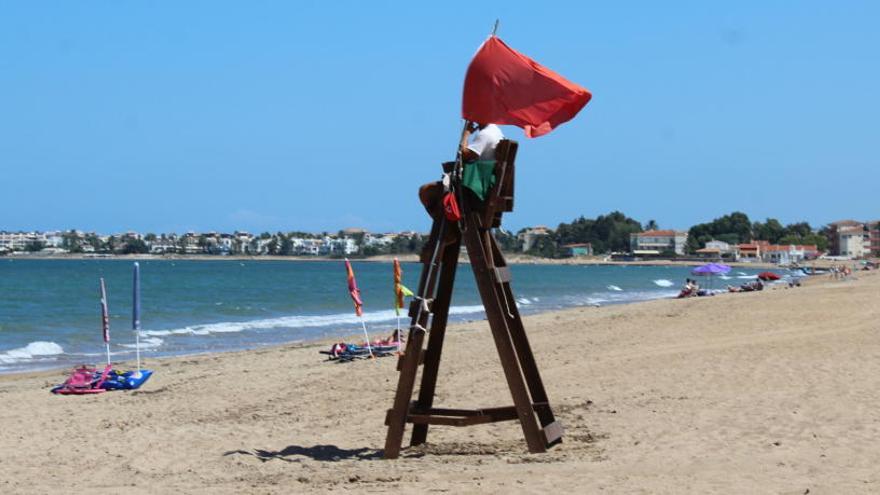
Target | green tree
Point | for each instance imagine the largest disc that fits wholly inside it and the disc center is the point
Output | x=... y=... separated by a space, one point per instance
x=545 y=246
x=734 y=227
x=606 y=233
x=286 y=248
x=771 y=230
x=134 y=246
x=34 y=246
x=506 y=241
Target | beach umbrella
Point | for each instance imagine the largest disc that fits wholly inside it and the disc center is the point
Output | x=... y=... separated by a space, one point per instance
x=136 y=312
x=400 y=291
x=355 y=294
x=768 y=276
x=105 y=319
x=711 y=269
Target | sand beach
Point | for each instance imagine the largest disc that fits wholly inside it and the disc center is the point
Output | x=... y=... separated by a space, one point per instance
x=770 y=392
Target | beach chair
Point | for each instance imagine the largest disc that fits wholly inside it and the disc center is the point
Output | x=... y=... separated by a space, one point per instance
x=82 y=381
x=492 y=275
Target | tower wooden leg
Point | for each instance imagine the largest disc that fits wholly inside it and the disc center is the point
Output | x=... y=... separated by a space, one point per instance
x=521 y=344
x=405 y=383
x=440 y=310
x=409 y=362
x=480 y=256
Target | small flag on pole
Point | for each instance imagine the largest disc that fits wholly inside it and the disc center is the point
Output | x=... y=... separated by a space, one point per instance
x=358 y=303
x=400 y=290
x=353 y=290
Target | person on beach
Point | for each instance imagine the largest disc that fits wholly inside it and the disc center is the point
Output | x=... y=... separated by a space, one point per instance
x=485 y=141
x=481 y=148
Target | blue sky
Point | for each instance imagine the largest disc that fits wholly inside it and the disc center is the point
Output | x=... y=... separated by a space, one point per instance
x=173 y=116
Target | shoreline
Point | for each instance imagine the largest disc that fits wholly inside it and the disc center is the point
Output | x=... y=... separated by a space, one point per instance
x=324 y=341
x=318 y=341
x=511 y=258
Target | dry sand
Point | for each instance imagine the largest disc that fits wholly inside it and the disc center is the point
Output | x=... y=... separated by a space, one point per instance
x=773 y=392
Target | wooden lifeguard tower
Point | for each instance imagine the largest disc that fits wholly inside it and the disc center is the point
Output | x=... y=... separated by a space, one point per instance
x=430 y=310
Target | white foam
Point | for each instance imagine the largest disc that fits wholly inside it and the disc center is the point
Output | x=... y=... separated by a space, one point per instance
x=523 y=300
x=664 y=283
x=146 y=343
x=747 y=277
x=724 y=277
x=614 y=288
x=38 y=349
x=293 y=322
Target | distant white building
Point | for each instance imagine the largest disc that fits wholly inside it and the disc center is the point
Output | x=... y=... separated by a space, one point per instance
x=853 y=242
x=850 y=239
x=786 y=254
x=54 y=239
x=307 y=247
x=162 y=246
x=379 y=240
x=656 y=242
x=717 y=249
x=19 y=241
x=344 y=246
x=532 y=234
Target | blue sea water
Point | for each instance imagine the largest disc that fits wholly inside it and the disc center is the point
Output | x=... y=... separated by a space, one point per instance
x=50 y=314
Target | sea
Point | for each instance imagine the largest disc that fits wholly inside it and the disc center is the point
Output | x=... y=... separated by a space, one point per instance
x=50 y=311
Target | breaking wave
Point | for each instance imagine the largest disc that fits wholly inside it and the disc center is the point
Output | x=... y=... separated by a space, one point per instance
x=34 y=350
x=664 y=282
x=289 y=322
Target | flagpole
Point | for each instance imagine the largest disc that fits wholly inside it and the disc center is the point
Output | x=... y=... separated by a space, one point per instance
x=397 y=336
x=136 y=313
x=367 y=336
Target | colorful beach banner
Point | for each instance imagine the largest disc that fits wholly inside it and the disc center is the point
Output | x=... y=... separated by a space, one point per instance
x=400 y=290
x=353 y=290
x=355 y=294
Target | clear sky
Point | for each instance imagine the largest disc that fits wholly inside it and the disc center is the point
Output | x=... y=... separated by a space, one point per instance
x=173 y=116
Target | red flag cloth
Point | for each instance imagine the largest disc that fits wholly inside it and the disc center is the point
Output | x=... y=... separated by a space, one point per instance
x=353 y=290
x=450 y=208
x=503 y=86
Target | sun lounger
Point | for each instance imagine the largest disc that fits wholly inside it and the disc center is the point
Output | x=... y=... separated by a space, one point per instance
x=83 y=381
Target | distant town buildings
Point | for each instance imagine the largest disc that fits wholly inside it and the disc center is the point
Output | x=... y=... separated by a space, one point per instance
x=348 y=242
x=849 y=239
x=658 y=242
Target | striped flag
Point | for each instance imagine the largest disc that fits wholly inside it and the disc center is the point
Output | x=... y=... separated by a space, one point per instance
x=400 y=290
x=105 y=313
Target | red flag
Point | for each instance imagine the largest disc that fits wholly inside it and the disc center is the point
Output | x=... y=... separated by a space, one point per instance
x=503 y=86
x=354 y=291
